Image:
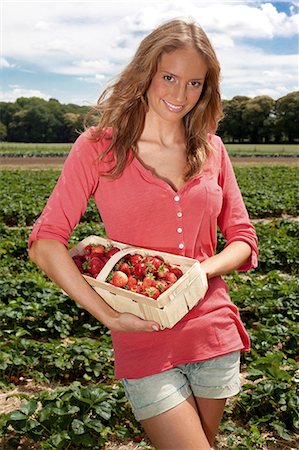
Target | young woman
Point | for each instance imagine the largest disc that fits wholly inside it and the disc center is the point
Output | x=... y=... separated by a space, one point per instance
x=161 y=179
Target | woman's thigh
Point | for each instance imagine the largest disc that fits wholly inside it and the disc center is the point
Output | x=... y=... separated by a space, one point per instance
x=178 y=428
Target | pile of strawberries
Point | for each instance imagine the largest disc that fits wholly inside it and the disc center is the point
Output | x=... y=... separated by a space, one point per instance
x=146 y=275
x=93 y=259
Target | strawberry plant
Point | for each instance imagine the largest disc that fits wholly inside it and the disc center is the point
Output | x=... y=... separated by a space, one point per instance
x=70 y=417
x=271 y=400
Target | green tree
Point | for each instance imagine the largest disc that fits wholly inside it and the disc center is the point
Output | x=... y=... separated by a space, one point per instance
x=257 y=115
x=287 y=117
x=3 y=132
x=233 y=127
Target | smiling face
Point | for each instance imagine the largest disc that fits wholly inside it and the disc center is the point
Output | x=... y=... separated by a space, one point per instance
x=177 y=84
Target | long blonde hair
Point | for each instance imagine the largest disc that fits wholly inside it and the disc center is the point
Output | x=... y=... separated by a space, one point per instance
x=123 y=105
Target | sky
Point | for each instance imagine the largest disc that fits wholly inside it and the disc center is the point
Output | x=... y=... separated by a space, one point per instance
x=71 y=50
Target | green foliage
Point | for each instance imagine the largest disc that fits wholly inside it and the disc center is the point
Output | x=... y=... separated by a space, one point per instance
x=259 y=119
x=24 y=194
x=269 y=306
x=75 y=416
x=273 y=192
x=37 y=120
x=272 y=398
x=46 y=337
x=52 y=314
x=269 y=191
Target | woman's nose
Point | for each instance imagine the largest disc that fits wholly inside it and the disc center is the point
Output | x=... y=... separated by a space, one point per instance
x=180 y=92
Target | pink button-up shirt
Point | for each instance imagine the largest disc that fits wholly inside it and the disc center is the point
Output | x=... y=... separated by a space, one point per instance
x=141 y=209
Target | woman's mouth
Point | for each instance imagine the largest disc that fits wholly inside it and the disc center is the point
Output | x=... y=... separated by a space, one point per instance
x=172 y=107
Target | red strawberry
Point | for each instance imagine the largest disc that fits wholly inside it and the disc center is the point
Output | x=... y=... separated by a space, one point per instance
x=178 y=273
x=163 y=270
x=139 y=269
x=132 y=282
x=88 y=249
x=98 y=249
x=161 y=285
x=111 y=251
x=135 y=259
x=170 y=277
x=119 y=279
x=148 y=281
x=149 y=261
x=124 y=267
x=95 y=266
x=152 y=292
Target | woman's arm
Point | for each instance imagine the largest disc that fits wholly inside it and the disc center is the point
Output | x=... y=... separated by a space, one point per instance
x=53 y=258
x=232 y=257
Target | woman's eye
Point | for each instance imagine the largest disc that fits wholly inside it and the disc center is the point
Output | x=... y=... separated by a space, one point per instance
x=168 y=78
x=195 y=83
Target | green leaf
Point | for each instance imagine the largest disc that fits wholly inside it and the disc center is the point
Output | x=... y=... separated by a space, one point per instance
x=104 y=410
x=94 y=424
x=77 y=426
x=17 y=415
x=282 y=430
x=29 y=407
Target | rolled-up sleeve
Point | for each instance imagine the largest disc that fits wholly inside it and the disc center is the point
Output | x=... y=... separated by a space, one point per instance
x=69 y=199
x=233 y=220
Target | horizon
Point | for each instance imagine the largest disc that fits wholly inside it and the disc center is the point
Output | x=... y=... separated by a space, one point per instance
x=71 y=50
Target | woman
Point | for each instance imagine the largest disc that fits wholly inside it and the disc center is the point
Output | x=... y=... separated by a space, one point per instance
x=161 y=180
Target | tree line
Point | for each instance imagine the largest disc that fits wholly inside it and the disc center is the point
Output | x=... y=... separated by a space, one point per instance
x=252 y=120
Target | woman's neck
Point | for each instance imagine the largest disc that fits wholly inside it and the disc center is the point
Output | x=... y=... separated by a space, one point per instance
x=164 y=133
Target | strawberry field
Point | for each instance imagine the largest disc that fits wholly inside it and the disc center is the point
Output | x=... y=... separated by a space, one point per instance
x=56 y=361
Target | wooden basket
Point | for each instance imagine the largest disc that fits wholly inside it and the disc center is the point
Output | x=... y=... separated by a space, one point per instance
x=170 y=306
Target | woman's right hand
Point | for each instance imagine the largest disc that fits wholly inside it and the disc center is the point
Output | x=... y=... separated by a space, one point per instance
x=131 y=323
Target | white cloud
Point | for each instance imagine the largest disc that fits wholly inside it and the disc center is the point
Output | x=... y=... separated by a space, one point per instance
x=90 y=39
x=5 y=64
x=16 y=92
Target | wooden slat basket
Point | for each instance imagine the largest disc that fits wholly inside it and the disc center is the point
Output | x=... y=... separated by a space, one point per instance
x=170 y=306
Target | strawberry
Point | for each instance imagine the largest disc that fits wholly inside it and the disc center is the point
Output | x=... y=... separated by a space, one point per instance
x=132 y=283
x=139 y=269
x=135 y=259
x=124 y=267
x=170 y=277
x=148 y=281
x=162 y=271
x=95 y=266
x=161 y=285
x=88 y=249
x=111 y=251
x=119 y=279
x=178 y=273
x=98 y=249
x=152 y=292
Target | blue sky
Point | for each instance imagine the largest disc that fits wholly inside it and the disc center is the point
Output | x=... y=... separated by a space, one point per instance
x=70 y=50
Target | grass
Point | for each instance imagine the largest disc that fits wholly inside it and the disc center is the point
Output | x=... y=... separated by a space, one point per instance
x=18 y=148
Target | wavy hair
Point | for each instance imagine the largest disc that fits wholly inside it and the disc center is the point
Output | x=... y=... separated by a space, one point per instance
x=123 y=105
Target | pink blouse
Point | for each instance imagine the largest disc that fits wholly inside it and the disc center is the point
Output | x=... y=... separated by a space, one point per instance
x=142 y=210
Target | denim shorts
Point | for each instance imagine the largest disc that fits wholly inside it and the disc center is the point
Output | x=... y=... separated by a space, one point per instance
x=214 y=378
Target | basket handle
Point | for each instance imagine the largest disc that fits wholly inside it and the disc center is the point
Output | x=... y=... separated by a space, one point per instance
x=112 y=261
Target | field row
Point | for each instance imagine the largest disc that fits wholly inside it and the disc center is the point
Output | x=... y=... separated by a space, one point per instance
x=20 y=149
x=269 y=191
